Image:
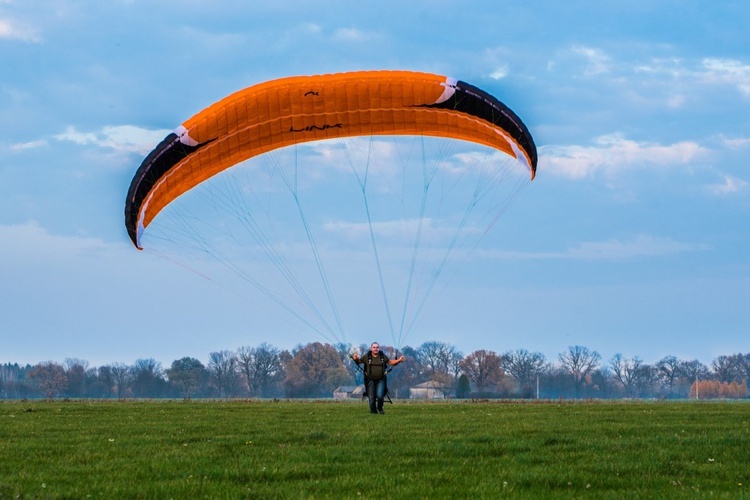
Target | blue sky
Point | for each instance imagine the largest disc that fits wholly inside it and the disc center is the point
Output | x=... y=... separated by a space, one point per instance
x=633 y=239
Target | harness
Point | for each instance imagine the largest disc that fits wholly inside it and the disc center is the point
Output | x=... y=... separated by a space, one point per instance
x=366 y=378
x=386 y=370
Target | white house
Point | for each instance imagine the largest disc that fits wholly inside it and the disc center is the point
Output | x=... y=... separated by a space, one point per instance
x=427 y=390
x=348 y=391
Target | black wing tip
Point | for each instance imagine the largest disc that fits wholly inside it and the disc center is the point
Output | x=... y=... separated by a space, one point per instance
x=165 y=155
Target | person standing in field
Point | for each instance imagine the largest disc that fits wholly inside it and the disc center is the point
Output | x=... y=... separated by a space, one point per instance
x=376 y=364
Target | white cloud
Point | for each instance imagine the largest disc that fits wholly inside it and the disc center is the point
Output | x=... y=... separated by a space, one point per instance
x=123 y=138
x=354 y=154
x=72 y=135
x=639 y=246
x=737 y=143
x=676 y=101
x=349 y=35
x=612 y=153
x=212 y=41
x=360 y=230
x=127 y=138
x=31 y=242
x=11 y=30
x=729 y=72
x=499 y=73
x=598 y=61
x=711 y=71
x=312 y=28
x=728 y=186
x=673 y=67
x=405 y=230
x=28 y=145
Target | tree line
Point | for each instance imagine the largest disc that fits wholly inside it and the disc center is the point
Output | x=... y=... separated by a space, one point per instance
x=315 y=370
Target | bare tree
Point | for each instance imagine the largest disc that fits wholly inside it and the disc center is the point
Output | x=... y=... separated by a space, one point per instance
x=261 y=367
x=646 y=384
x=454 y=364
x=483 y=369
x=75 y=370
x=441 y=359
x=222 y=371
x=601 y=382
x=407 y=374
x=121 y=376
x=626 y=372
x=103 y=380
x=729 y=368
x=692 y=372
x=147 y=378
x=525 y=367
x=431 y=356
x=344 y=350
x=245 y=362
x=669 y=371
x=267 y=369
x=579 y=361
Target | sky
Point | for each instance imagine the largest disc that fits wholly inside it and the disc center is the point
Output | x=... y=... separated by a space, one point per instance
x=633 y=238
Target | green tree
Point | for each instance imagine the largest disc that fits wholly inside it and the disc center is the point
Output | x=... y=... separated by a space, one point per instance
x=188 y=376
x=463 y=388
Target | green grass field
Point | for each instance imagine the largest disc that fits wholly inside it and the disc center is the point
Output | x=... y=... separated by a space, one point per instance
x=231 y=449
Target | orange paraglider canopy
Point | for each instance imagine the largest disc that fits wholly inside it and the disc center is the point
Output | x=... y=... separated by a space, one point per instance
x=290 y=111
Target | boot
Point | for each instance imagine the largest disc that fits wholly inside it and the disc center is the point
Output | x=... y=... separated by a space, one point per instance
x=380 y=407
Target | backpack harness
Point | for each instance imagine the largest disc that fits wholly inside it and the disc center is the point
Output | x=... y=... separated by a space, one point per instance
x=386 y=370
x=385 y=374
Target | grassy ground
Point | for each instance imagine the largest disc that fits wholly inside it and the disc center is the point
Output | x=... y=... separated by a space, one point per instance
x=231 y=449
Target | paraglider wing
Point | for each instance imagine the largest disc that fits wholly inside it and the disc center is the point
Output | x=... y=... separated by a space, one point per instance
x=290 y=111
